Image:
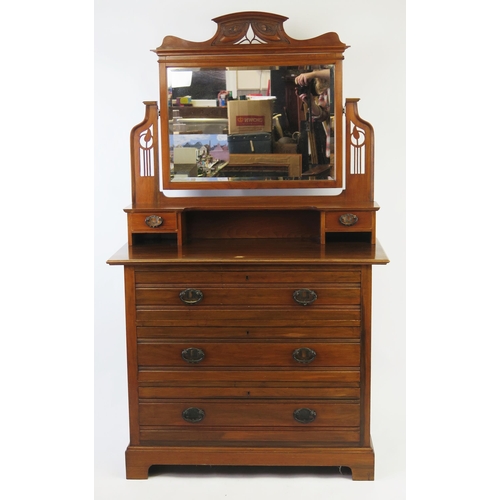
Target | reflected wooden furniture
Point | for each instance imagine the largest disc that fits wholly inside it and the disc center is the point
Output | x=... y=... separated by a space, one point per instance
x=291 y=163
x=248 y=318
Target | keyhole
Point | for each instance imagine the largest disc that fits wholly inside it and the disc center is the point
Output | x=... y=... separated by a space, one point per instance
x=246 y=277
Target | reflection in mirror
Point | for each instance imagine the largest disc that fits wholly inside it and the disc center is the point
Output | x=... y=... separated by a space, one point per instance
x=241 y=124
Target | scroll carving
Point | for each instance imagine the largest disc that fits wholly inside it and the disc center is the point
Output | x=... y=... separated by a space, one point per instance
x=358 y=143
x=248 y=28
x=258 y=28
x=146 y=168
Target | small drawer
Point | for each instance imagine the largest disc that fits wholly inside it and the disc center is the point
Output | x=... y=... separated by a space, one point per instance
x=164 y=222
x=349 y=221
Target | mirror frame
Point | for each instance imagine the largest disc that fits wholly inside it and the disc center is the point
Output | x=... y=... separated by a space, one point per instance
x=252 y=40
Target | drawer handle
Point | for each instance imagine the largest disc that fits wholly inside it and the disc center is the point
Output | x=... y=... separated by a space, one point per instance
x=304 y=296
x=192 y=355
x=193 y=415
x=304 y=415
x=153 y=221
x=304 y=355
x=348 y=219
x=191 y=296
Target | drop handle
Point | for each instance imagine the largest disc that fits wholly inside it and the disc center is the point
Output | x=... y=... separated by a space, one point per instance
x=191 y=296
x=304 y=415
x=193 y=415
x=304 y=296
x=304 y=355
x=192 y=355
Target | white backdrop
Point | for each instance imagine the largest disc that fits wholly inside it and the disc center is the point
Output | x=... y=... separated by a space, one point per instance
x=126 y=74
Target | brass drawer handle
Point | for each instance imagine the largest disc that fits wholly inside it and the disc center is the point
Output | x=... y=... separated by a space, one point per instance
x=348 y=219
x=193 y=415
x=191 y=296
x=153 y=221
x=304 y=355
x=304 y=415
x=192 y=355
x=304 y=296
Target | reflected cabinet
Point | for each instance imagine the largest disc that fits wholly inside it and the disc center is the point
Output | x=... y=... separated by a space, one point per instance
x=249 y=254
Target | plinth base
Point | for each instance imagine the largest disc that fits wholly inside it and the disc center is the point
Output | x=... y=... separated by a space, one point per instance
x=360 y=460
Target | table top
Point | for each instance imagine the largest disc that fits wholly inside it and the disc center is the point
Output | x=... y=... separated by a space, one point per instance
x=250 y=251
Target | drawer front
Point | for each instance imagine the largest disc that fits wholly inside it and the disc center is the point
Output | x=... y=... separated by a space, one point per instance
x=272 y=295
x=246 y=276
x=234 y=413
x=176 y=377
x=247 y=354
x=245 y=391
x=301 y=421
x=231 y=333
x=349 y=221
x=306 y=435
x=152 y=222
x=248 y=317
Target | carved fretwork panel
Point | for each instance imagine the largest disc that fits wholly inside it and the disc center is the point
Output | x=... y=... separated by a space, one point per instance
x=359 y=155
x=358 y=149
x=257 y=29
x=146 y=145
x=144 y=157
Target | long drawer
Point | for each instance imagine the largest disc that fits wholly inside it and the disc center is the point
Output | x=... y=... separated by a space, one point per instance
x=247 y=276
x=234 y=413
x=249 y=317
x=284 y=436
x=232 y=333
x=303 y=421
x=262 y=377
x=247 y=391
x=300 y=355
x=248 y=298
x=271 y=295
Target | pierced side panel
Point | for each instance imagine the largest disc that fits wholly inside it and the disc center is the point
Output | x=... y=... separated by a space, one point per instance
x=144 y=157
x=359 y=155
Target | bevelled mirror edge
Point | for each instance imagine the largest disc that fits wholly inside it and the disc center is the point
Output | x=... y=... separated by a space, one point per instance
x=224 y=122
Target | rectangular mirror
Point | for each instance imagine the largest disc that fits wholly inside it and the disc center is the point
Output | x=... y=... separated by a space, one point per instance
x=231 y=116
x=250 y=127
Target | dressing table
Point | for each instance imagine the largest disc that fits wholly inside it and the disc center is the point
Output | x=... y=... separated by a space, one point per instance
x=248 y=275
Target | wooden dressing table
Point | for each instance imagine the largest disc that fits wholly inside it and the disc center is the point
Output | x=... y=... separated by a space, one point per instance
x=248 y=316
